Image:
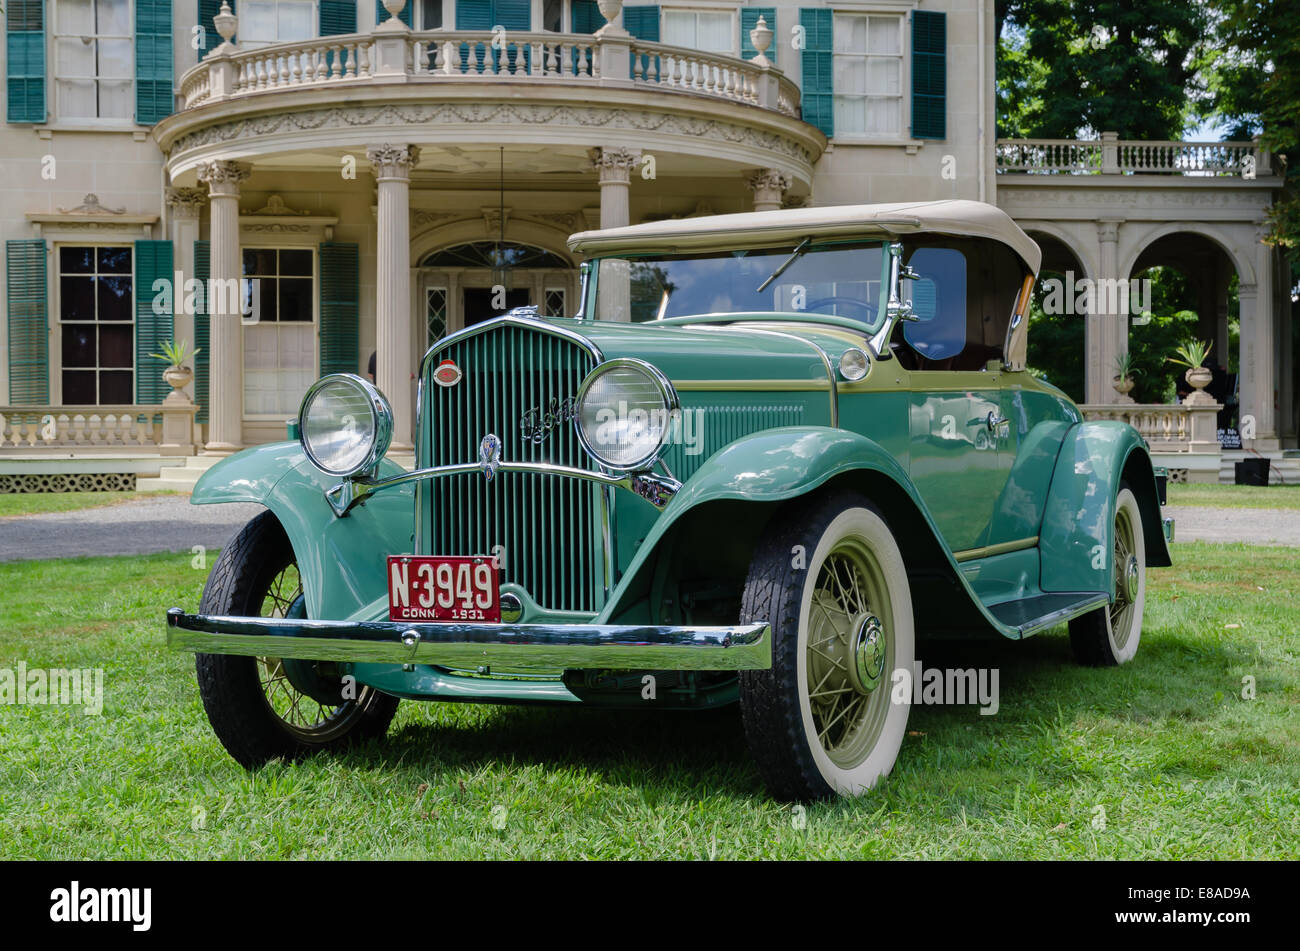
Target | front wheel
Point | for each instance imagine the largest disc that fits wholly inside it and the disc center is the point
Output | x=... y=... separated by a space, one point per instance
x=1110 y=635
x=264 y=708
x=830 y=579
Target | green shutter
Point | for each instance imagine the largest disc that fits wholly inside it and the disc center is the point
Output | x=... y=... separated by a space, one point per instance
x=817 y=63
x=340 y=16
x=340 y=307
x=749 y=20
x=153 y=60
x=513 y=14
x=406 y=16
x=642 y=22
x=207 y=10
x=25 y=60
x=29 y=332
x=153 y=262
x=584 y=16
x=474 y=15
x=929 y=74
x=202 y=271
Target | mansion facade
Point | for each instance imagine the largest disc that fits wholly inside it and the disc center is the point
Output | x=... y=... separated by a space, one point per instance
x=376 y=169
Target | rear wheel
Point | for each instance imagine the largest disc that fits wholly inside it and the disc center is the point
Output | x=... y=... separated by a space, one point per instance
x=1110 y=635
x=830 y=579
x=264 y=708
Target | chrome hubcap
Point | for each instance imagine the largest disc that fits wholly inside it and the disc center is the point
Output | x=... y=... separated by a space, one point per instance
x=868 y=653
x=1128 y=579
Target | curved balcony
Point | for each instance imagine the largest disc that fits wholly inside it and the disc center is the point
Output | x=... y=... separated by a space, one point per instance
x=457 y=87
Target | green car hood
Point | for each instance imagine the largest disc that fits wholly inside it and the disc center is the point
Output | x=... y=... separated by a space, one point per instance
x=719 y=353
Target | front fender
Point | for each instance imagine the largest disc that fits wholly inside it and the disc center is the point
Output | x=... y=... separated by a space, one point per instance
x=775 y=466
x=341 y=560
x=1077 y=535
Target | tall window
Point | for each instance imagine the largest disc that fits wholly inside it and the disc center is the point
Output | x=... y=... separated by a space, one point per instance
x=94 y=59
x=280 y=336
x=868 y=75
x=709 y=32
x=96 y=325
x=263 y=22
x=430 y=15
x=435 y=315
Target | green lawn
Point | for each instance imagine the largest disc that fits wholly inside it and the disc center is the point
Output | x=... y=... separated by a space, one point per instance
x=1180 y=764
x=31 y=503
x=1235 y=496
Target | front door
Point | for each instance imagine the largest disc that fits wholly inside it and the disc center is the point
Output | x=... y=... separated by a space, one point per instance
x=477 y=303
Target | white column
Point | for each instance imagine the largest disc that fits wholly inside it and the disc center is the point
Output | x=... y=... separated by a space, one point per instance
x=392 y=166
x=614 y=289
x=225 y=331
x=615 y=170
x=1258 y=383
x=185 y=207
x=769 y=187
x=1106 y=333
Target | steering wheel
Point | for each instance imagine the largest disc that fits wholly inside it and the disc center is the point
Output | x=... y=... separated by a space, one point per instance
x=851 y=301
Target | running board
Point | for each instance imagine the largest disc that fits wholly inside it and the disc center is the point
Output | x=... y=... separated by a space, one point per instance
x=1032 y=615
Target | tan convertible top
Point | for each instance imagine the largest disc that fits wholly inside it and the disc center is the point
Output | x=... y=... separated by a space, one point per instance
x=762 y=228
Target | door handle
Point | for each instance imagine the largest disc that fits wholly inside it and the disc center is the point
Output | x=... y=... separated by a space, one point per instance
x=994 y=421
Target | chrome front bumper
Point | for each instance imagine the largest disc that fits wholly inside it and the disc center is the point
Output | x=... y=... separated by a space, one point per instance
x=569 y=646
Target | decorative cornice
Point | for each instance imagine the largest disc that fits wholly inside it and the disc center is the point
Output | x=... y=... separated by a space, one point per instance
x=90 y=206
x=275 y=207
x=426 y=118
x=224 y=177
x=393 y=162
x=186 y=202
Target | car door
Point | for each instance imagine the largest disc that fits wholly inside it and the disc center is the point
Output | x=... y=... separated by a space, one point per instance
x=961 y=452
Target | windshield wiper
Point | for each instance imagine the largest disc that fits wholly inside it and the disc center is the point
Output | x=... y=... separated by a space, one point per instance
x=798 y=253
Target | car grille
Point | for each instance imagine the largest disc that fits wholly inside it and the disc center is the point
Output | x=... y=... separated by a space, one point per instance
x=548 y=528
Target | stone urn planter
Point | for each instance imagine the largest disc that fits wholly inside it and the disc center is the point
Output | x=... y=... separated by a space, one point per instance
x=178 y=377
x=610 y=9
x=761 y=38
x=1123 y=385
x=1198 y=377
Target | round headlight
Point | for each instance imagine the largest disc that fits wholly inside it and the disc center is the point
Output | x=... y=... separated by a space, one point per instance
x=625 y=410
x=345 y=424
x=854 y=364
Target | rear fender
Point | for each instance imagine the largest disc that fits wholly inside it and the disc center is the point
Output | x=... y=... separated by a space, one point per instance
x=1077 y=535
x=341 y=560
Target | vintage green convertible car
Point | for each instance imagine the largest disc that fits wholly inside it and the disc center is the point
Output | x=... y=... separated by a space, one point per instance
x=769 y=452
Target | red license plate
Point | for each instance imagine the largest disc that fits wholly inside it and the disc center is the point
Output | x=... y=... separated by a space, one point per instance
x=444 y=588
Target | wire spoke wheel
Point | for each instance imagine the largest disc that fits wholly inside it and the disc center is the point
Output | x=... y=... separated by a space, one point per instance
x=848 y=654
x=1121 y=611
x=306 y=717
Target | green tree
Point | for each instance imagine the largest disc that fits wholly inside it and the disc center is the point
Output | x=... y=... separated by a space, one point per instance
x=1253 y=82
x=1073 y=67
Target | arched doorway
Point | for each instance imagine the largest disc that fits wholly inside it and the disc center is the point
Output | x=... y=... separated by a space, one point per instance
x=464 y=284
x=1057 y=340
x=1192 y=282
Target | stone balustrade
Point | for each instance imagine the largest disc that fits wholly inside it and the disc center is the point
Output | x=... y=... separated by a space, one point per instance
x=1167 y=428
x=166 y=429
x=1110 y=155
x=435 y=56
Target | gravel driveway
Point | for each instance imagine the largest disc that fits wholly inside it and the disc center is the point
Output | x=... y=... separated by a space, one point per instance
x=170 y=523
x=138 y=527
x=1254 y=526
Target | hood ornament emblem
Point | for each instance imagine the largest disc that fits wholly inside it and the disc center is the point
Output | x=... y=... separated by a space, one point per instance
x=446 y=373
x=489 y=456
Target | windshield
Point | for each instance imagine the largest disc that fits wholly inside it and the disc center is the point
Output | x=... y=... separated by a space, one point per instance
x=844 y=280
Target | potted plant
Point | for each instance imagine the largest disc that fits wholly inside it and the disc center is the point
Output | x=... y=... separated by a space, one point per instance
x=1192 y=355
x=174 y=355
x=1125 y=370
